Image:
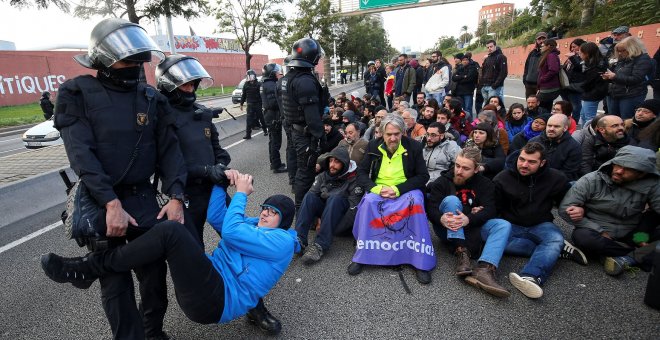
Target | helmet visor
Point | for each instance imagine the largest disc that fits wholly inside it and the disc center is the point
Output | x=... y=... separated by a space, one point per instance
x=123 y=43
x=183 y=72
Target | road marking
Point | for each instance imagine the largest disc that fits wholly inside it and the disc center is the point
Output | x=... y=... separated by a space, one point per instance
x=57 y=224
x=29 y=237
x=8 y=140
x=13 y=150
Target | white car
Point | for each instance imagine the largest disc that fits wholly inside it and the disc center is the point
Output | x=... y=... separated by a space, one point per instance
x=238 y=92
x=42 y=134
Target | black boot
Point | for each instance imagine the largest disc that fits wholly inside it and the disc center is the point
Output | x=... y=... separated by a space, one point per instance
x=261 y=317
x=280 y=169
x=248 y=134
x=76 y=270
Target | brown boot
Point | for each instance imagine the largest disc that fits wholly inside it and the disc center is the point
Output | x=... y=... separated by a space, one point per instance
x=484 y=277
x=463 y=265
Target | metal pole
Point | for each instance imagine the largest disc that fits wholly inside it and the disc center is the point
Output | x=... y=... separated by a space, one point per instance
x=334 y=46
x=170 y=34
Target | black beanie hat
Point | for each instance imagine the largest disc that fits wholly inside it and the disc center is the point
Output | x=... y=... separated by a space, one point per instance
x=652 y=105
x=284 y=207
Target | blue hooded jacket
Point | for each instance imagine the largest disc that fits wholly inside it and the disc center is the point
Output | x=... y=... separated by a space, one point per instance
x=249 y=258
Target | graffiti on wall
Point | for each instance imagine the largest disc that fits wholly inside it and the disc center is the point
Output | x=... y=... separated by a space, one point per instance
x=29 y=84
x=187 y=43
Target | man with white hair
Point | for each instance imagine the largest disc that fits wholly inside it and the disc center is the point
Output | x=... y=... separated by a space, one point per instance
x=413 y=129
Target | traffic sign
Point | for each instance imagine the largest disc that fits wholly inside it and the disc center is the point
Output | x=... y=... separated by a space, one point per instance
x=368 y=4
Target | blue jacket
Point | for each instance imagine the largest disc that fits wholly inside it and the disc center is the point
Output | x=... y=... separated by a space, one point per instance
x=250 y=259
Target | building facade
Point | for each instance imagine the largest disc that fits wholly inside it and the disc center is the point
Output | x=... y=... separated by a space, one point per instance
x=491 y=13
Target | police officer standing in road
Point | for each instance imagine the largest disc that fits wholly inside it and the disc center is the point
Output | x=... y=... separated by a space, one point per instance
x=178 y=77
x=255 y=116
x=116 y=131
x=290 y=148
x=303 y=102
x=272 y=115
x=46 y=105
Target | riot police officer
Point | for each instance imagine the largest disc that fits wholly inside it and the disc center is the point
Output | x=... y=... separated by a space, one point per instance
x=254 y=117
x=178 y=77
x=290 y=149
x=46 y=105
x=117 y=130
x=272 y=115
x=303 y=102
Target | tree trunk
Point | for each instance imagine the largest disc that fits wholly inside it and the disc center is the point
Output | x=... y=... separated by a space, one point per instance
x=587 y=13
x=248 y=59
x=327 y=72
x=130 y=10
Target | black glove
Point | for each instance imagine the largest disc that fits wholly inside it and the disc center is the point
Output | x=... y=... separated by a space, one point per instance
x=313 y=152
x=216 y=173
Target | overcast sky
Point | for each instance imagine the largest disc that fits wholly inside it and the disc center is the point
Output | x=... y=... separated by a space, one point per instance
x=417 y=28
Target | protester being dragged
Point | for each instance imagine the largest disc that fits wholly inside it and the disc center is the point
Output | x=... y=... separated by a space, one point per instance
x=515 y=121
x=391 y=227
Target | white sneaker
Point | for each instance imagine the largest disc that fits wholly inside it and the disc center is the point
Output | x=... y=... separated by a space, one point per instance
x=526 y=285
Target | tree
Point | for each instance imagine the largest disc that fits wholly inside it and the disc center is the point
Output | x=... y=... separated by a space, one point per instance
x=61 y=4
x=136 y=10
x=251 y=21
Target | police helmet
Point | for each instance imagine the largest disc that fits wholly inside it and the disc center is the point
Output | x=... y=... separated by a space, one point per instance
x=250 y=75
x=116 y=39
x=45 y=94
x=271 y=70
x=306 y=52
x=178 y=69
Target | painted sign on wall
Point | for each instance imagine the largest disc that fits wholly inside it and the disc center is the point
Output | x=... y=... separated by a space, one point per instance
x=187 y=43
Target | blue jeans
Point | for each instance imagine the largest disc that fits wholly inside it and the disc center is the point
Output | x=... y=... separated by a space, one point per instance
x=576 y=100
x=439 y=96
x=452 y=204
x=331 y=212
x=542 y=243
x=467 y=103
x=488 y=91
x=589 y=111
x=624 y=107
x=495 y=232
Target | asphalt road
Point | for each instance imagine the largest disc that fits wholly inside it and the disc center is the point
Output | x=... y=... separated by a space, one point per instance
x=323 y=302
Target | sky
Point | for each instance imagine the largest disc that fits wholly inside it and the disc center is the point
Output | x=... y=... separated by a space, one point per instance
x=32 y=29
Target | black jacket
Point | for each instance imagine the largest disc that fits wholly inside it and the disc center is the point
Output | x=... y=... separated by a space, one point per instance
x=493 y=160
x=596 y=151
x=531 y=73
x=478 y=191
x=494 y=69
x=564 y=155
x=251 y=93
x=528 y=200
x=465 y=78
x=331 y=140
x=632 y=77
x=414 y=166
x=47 y=107
x=594 y=87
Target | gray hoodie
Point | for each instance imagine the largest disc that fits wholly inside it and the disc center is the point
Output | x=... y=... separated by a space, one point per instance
x=616 y=209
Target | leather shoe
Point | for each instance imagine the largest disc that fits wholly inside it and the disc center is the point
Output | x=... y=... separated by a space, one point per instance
x=354 y=268
x=247 y=136
x=423 y=276
x=261 y=317
x=282 y=168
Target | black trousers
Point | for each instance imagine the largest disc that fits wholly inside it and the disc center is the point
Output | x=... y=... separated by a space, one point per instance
x=254 y=117
x=478 y=100
x=274 y=138
x=199 y=287
x=291 y=157
x=198 y=193
x=306 y=166
x=530 y=89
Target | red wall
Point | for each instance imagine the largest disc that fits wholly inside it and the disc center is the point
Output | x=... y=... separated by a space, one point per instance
x=38 y=71
x=516 y=56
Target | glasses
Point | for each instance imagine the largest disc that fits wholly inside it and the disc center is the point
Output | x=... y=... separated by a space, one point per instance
x=270 y=211
x=433 y=135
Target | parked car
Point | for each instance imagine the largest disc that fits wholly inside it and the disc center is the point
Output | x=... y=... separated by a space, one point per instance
x=42 y=134
x=238 y=91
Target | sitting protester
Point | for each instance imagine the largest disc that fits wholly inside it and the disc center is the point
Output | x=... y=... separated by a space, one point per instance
x=615 y=210
x=531 y=130
x=214 y=288
x=439 y=152
x=391 y=227
x=443 y=117
x=562 y=152
x=645 y=114
x=566 y=108
x=609 y=138
x=491 y=152
x=413 y=130
x=515 y=121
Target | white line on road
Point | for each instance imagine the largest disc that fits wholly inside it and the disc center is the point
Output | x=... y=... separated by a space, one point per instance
x=29 y=237
x=57 y=224
x=9 y=140
x=13 y=150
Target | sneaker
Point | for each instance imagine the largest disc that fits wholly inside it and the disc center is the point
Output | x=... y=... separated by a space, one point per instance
x=572 y=253
x=614 y=266
x=74 y=270
x=313 y=254
x=529 y=286
x=354 y=268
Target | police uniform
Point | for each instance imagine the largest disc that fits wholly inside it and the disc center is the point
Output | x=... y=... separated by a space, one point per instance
x=273 y=121
x=255 y=117
x=292 y=167
x=116 y=132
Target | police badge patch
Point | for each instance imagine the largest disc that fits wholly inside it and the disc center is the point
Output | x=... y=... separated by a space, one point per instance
x=207 y=132
x=142 y=119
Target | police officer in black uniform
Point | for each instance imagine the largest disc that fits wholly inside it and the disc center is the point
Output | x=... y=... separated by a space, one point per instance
x=117 y=130
x=272 y=115
x=46 y=105
x=303 y=102
x=251 y=94
x=178 y=77
x=290 y=149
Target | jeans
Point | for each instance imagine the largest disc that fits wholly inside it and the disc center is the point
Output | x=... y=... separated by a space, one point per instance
x=542 y=243
x=488 y=91
x=331 y=211
x=467 y=103
x=624 y=107
x=576 y=100
x=589 y=111
x=495 y=232
x=452 y=204
x=439 y=96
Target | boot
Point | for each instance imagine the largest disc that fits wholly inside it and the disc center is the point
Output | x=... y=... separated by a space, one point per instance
x=463 y=265
x=248 y=134
x=280 y=169
x=76 y=270
x=261 y=317
x=265 y=131
x=484 y=277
